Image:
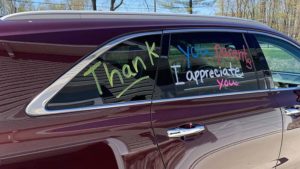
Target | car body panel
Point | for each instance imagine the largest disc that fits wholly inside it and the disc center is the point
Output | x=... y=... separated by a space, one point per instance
x=289 y=156
x=34 y=53
x=241 y=126
x=31 y=59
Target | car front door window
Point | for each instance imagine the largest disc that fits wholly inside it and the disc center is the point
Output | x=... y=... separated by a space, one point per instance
x=283 y=60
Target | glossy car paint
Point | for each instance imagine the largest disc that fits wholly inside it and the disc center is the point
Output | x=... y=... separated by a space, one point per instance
x=33 y=53
x=289 y=156
x=242 y=131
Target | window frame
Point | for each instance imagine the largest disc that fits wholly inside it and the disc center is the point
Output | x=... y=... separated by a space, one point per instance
x=208 y=30
x=37 y=107
x=245 y=32
x=292 y=43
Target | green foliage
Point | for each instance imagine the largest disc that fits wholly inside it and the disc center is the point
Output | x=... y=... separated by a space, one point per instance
x=282 y=15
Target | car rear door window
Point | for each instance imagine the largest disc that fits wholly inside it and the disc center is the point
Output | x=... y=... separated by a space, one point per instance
x=206 y=63
x=124 y=73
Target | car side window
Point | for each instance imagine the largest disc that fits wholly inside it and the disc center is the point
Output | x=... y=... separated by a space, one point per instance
x=206 y=63
x=283 y=60
x=124 y=73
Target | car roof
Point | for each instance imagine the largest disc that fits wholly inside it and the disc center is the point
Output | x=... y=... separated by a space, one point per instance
x=158 y=18
x=52 y=21
x=77 y=14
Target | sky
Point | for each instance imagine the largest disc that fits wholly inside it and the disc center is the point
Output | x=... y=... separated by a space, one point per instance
x=144 y=6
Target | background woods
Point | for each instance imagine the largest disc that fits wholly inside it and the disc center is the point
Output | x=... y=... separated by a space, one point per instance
x=283 y=15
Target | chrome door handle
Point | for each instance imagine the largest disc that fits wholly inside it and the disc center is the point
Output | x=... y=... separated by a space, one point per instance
x=185 y=130
x=292 y=111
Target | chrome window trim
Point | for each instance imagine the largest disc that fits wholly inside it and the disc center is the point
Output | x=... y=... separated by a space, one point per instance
x=37 y=106
x=210 y=95
x=189 y=30
x=284 y=89
x=287 y=73
x=224 y=94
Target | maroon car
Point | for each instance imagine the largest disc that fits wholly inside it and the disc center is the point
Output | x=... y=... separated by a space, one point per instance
x=90 y=90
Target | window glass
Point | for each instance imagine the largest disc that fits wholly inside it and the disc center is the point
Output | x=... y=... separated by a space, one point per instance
x=124 y=73
x=283 y=60
x=206 y=63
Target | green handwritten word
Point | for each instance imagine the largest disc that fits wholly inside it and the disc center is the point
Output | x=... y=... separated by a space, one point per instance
x=135 y=62
x=151 y=52
x=110 y=76
x=132 y=84
x=92 y=70
x=127 y=72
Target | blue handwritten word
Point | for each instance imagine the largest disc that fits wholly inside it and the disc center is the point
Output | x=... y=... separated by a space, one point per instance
x=193 y=52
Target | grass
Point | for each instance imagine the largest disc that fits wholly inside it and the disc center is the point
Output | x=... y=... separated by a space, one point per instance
x=279 y=60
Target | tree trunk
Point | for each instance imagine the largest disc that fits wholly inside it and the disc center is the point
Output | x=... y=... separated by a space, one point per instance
x=191 y=6
x=222 y=7
x=94 y=5
x=113 y=6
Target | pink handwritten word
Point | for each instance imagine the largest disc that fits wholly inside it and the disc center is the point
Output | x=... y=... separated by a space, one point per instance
x=227 y=83
x=239 y=55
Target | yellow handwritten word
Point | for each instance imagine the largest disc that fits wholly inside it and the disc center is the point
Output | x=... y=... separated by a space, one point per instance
x=110 y=76
x=135 y=62
x=132 y=84
x=127 y=71
x=151 y=52
x=92 y=70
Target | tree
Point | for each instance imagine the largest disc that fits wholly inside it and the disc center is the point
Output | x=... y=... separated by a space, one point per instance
x=283 y=15
x=182 y=5
x=25 y=5
x=114 y=6
x=94 y=5
x=7 y=7
x=63 y=5
x=77 y=4
x=49 y=5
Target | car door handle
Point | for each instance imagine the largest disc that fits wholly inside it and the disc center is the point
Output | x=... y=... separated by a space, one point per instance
x=185 y=130
x=292 y=111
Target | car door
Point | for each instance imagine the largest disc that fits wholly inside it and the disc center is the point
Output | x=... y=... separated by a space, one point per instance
x=283 y=59
x=211 y=107
x=96 y=115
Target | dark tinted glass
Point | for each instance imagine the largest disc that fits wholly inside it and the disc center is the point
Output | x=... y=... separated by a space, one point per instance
x=283 y=60
x=206 y=63
x=124 y=73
